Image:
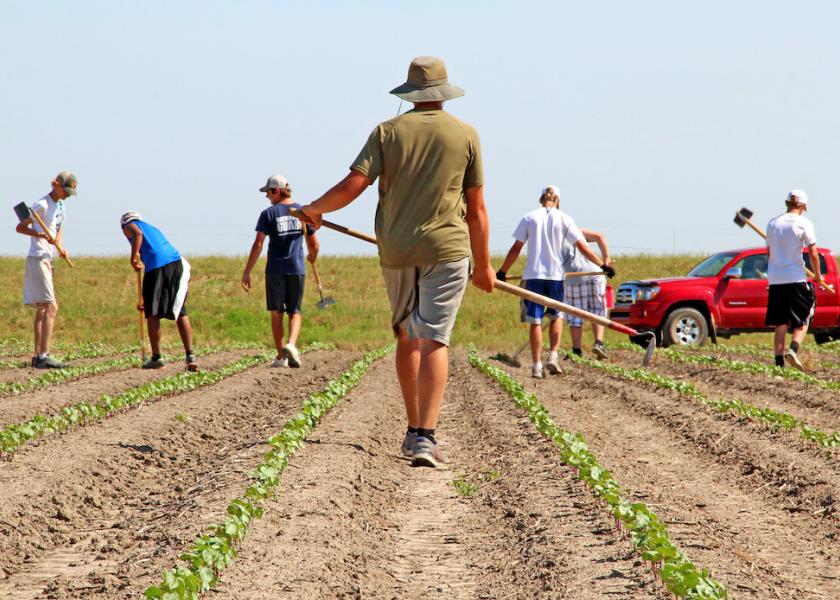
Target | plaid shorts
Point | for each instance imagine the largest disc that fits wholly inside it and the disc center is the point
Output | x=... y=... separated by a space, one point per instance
x=590 y=296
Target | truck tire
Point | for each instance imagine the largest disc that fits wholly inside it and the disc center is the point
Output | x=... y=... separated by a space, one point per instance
x=685 y=327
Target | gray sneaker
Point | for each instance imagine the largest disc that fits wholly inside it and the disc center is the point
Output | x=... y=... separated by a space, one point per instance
x=192 y=363
x=537 y=372
x=293 y=354
x=281 y=362
x=48 y=362
x=426 y=453
x=793 y=360
x=408 y=444
x=552 y=365
x=599 y=351
x=156 y=363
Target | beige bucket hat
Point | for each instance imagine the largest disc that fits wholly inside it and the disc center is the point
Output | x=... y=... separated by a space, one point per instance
x=427 y=82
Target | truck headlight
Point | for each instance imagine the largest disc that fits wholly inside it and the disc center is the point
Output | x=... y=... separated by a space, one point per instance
x=648 y=293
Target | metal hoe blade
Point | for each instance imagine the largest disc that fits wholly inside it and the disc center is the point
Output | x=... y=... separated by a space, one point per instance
x=21 y=211
x=650 y=348
x=325 y=302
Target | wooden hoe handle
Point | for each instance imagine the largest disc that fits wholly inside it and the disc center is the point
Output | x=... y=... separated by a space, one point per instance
x=50 y=237
x=339 y=228
x=563 y=307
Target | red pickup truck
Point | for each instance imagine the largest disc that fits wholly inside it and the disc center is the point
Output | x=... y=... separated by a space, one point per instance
x=724 y=295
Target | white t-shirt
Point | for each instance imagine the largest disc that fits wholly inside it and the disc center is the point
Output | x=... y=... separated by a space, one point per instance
x=787 y=234
x=544 y=230
x=52 y=213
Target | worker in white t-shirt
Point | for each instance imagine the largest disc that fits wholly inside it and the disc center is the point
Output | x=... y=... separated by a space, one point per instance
x=545 y=230
x=791 y=301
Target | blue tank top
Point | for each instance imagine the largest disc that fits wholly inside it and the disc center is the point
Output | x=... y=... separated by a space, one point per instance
x=155 y=251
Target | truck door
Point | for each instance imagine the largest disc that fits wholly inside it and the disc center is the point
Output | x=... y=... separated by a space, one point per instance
x=828 y=307
x=743 y=300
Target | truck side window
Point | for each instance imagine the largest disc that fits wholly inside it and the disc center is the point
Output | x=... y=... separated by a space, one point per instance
x=753 y=267
x=807 y=262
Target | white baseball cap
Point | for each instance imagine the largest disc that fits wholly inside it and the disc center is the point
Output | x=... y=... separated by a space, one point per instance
x=129 y=217
x=550 y=189
x=277 y=182
x=800 y=196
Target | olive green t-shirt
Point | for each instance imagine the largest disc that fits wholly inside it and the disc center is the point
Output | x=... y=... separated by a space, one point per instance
x=424 y=160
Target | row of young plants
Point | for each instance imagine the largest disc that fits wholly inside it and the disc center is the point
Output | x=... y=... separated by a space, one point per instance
x=14 y=436
x=58 y=376
x=82 y=350
x=647 y=531
x=212 y=552
x=775 y=419
x=681 y=356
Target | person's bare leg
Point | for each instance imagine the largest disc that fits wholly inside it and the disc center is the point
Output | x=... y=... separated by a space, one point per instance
x=798 y=335
x=535 y=337
x=407 y=363
x=779 y=339
x=153 y=325
x=47 y=326
x=277 y=331
x=434 y=369
x=555 y=332
x=576 y=332
x=40 y=316
x=185 y=331
x=295 y=322
x=598 y=332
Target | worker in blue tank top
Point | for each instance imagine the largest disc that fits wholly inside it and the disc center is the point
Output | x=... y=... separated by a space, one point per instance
x=165 y=285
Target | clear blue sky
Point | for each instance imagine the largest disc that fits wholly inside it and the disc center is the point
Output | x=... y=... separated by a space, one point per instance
x=657 y=120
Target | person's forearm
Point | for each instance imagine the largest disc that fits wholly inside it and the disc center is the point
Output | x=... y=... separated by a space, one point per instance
x=511 y=257
x=588 y=253
x=313 y=245
x=814 y=257
x=479 y=228
x=341 y=194
x=256 y=250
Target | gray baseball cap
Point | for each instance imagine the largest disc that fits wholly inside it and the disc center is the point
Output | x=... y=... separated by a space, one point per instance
x=67 y=180
x=277 y=182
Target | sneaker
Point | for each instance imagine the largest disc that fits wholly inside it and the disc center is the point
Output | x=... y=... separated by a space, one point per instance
x=32 y=364
x=425 y=453
x=156 y=363
x=192 y=363
x=537 y=372
x=599 y=351
x=408 y=444
x=281 y=362
x=48 y=362
x=293 y=354
x=793 y=360
x=552 y=365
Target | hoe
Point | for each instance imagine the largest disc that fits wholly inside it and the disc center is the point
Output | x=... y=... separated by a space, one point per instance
x=522 y=293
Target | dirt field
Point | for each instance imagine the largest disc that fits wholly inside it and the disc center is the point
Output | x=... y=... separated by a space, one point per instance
x=102 y=511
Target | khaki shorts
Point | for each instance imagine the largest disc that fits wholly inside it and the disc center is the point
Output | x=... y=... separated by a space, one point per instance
x=38 y=281
x=425 y=300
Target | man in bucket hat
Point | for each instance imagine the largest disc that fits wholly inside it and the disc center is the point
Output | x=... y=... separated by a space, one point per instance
x=38 y=289
x=431 y=215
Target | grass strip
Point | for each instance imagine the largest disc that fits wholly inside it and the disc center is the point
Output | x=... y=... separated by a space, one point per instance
x=14 y=436
x=681 y=356
x=774 y=418
x=57 y=376
x=648 y=533
x=212 y=552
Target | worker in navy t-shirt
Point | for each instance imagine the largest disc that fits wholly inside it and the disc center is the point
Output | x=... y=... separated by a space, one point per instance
x=165 y=285
x=285 y=271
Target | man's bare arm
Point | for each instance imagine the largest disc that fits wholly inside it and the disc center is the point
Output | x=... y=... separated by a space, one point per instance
x=336 y=198
x=479 y=227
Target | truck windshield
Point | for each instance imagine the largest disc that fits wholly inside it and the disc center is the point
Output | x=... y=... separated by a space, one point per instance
x=711 y=266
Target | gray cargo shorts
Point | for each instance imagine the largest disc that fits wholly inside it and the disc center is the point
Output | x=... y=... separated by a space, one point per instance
x=425 y=299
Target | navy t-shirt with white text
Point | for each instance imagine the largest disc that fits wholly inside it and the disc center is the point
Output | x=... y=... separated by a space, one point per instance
x=285 y=239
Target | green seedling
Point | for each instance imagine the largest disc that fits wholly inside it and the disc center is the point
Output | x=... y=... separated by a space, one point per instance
x=182 y=417
x=463 y=487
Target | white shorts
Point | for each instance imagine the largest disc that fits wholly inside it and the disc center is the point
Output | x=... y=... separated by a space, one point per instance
x=38 y=281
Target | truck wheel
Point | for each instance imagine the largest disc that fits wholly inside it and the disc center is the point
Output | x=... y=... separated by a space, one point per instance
x=685 y=327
